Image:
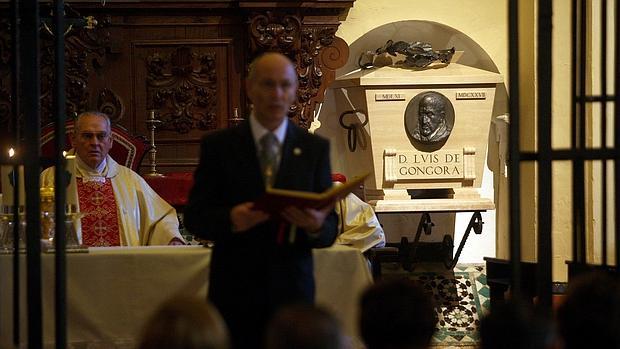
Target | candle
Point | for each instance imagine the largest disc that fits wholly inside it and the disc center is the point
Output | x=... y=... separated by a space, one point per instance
x=8 y=185
x=8 y=176
x=71 y=186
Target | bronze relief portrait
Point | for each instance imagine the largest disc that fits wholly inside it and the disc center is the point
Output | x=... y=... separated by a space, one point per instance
x=429 y=118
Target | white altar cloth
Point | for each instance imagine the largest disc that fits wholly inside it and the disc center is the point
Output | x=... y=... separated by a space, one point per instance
x=112 y=291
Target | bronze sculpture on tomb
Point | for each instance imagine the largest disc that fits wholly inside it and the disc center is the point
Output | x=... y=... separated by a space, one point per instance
x=429 y=118
x=417 y=55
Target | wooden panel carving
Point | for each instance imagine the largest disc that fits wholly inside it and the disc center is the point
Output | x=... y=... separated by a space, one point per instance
x=182 y=86
x=186 y=82
x=5 y=76
x=271 y=32
x=320 y=55
x=6 y=121
x=315 y=50
x=111 y=104
x=85 y=53
x=185 y=59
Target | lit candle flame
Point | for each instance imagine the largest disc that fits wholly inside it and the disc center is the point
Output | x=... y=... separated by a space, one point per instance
x=64 y=153
x=11 y=152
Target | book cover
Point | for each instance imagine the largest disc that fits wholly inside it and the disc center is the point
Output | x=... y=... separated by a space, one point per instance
x=275 y=199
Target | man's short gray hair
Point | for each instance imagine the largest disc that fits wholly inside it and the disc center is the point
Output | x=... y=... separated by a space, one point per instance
x=95 y=113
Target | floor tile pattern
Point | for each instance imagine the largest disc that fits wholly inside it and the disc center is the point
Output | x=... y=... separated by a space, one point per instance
x=461 y=296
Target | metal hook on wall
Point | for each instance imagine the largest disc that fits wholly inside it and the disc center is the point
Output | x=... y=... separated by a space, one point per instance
x=354 y=129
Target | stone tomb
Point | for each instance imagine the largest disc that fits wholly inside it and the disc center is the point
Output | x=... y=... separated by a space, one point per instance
x=406 y=153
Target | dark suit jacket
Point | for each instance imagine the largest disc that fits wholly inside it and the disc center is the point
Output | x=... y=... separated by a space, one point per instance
x=251 y=273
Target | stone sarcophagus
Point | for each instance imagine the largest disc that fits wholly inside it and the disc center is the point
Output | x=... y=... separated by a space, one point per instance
x=419 y=133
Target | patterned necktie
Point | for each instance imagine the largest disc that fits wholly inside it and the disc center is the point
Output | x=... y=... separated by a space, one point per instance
x=268 y=157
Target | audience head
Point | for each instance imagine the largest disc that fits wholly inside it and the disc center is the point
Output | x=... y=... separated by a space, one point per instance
x=304 y=326
x=514 y=325
x=397 y=314
x=185 y=323
x=92 y=137
x=590 y=314
x=272 y=88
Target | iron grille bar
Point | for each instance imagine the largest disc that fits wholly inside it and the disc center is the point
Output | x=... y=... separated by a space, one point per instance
x=60 y=178
x=567 y=154
x=574 y=97
x=591 y=98
x=514 y=171
x=573 y=106
x=15 y=126
x=582 y=65
x=579 y=125
x=604 y=131
x=617 y=136
x=544 y=278
x=31 y=91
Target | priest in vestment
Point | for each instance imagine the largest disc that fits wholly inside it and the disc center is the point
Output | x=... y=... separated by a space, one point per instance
x=358 y=224
x=118 y=206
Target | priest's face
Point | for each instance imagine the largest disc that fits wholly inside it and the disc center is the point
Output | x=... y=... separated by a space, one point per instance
x=272 y=87
x=92 y=139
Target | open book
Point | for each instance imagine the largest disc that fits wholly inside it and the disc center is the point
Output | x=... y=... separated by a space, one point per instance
x=274 y=199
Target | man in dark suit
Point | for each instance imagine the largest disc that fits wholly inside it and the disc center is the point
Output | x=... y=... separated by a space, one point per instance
x=261 y=261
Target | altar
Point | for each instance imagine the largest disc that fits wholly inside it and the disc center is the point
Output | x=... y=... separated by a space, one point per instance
x=112 y=291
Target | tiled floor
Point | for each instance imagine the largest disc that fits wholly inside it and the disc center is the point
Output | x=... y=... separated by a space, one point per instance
x=461 y=295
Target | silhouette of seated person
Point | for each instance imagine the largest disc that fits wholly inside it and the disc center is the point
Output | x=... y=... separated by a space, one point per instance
x=515 y=325
x=305 y=326
x=589 y=317
x=397 y=314
x=185 y=323
x=432 y=126
x=119 y=208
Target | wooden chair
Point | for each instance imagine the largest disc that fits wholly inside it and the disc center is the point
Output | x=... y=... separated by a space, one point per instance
x=127 y=150
x=499 y=279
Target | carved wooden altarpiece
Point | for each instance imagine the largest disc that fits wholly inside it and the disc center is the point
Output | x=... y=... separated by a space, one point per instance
x=187 y=60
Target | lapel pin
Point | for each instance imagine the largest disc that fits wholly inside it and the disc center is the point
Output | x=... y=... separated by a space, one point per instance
x=297 y=151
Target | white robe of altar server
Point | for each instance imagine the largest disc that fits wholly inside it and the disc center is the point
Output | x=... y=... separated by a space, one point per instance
x=358 y=224
x=144 y=217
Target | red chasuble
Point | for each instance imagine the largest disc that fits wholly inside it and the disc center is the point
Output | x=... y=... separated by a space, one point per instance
x=100 y=220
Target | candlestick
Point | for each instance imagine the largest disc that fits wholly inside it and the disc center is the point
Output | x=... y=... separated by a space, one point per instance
x=235 y=120
x=72 y=198
x=152 y=123
x=9 y=177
